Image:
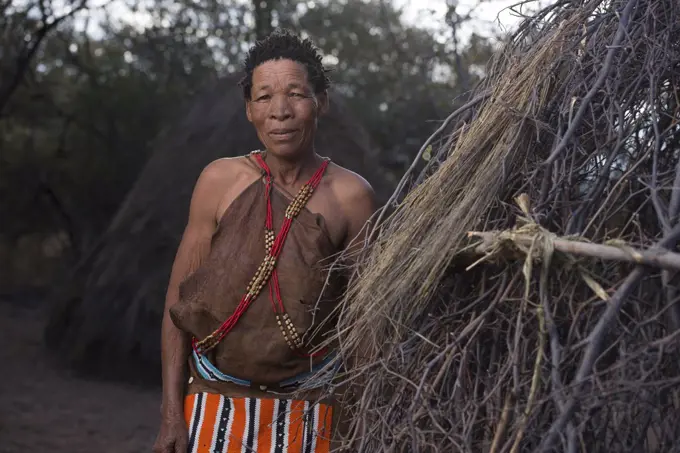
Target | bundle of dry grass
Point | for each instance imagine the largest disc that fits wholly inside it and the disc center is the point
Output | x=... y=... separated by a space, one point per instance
x=519 y=298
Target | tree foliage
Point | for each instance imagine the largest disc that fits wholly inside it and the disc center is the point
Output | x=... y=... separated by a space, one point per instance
x=85 y=90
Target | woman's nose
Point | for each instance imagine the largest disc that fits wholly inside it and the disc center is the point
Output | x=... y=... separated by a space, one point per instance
x=280 y=108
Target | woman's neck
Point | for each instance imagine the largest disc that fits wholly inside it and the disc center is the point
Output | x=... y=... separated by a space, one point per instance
x=288 y=171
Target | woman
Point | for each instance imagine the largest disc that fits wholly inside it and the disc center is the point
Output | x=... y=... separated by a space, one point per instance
x=244 y=306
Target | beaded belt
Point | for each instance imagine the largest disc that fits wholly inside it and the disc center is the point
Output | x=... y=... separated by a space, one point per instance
x=209 y=372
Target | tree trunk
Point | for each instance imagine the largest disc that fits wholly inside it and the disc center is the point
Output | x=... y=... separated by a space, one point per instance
x=263 y=18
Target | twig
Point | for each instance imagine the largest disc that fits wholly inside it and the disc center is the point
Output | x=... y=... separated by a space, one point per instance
x=27 y=54
x=673 y=209
x=604 y=73
x=592 y=353
x=500 y=429
x=596 y=338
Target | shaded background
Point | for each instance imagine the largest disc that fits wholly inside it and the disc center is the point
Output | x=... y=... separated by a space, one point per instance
x=108 y=112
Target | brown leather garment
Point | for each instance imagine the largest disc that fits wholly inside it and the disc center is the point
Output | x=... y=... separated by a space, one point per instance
x=255 y=349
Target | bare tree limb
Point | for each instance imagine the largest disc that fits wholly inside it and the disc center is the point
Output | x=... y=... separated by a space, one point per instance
x=26 y=55
x=654 y=257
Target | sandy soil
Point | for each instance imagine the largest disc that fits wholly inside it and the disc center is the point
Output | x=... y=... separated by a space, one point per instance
x=46 y=409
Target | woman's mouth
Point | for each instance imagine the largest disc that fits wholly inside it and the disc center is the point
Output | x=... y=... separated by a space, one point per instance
x=282 y=134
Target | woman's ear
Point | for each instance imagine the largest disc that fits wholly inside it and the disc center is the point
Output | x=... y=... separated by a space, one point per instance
x=248 y=113
x=323 y=102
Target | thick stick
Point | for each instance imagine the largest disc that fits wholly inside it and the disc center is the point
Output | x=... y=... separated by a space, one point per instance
x=656 y=257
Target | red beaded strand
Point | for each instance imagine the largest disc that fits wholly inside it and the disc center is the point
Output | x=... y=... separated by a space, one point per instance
x=267 y=270
x=282 y=317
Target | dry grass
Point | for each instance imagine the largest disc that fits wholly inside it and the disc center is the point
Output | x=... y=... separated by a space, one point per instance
x=573 y=135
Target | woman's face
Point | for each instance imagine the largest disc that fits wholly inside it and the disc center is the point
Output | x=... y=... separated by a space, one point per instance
x=284 y=108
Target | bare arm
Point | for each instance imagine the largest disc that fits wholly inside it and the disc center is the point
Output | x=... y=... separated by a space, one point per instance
x=360 y=204
x=175 y=346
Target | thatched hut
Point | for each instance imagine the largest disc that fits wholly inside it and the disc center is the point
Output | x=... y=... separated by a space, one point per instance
x=523 y=296
x=107 y=321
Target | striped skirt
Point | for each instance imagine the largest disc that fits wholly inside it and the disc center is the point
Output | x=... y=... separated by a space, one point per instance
x=219 y=424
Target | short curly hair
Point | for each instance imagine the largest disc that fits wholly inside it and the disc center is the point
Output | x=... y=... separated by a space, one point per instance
x=283 y=44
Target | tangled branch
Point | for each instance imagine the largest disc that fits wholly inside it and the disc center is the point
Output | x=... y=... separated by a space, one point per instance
x=563 y=337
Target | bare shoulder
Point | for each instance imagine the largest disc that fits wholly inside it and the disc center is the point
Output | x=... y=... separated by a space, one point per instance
x=226 y=169
x=220 y=182
x=225 y=175
x=349 y=186
x=356 y=199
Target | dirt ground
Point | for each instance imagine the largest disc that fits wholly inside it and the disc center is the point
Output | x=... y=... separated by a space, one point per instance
x=46 y=409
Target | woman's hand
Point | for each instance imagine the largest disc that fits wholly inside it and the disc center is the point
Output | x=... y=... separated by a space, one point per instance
x=173 y=436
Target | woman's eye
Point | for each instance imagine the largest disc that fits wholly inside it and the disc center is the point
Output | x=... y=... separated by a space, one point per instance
x=299 y=95
x=263 y=97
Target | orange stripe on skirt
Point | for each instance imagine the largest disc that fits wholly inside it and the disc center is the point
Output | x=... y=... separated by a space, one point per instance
x=296 y=427
x=264 y=438
x=189 y=402
x=323 y=428
x=237 y=425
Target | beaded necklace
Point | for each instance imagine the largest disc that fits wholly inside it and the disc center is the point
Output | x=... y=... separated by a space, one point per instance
x=266 y=272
